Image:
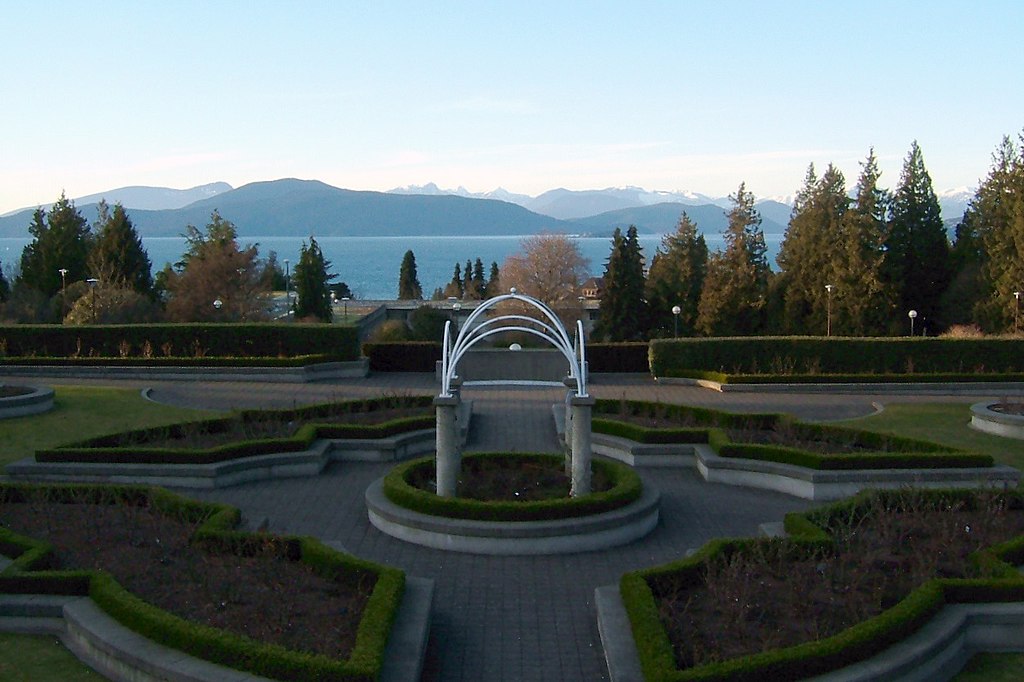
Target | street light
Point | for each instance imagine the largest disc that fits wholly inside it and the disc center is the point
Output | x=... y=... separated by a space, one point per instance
x=828 y=324
x=675 y=320
x=912 y=314
x=345 y=301
x=92 y=282
x=1016 y=309
x=63 y=293
x=287 y=287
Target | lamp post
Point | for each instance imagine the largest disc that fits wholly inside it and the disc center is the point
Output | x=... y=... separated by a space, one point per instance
x=675 y=321
x=63 y=293
x=1016 y=310
x=345 y=301
x=92 y=282
x=456 y=307
x=828 y=323
x=287 y=287
x=912 y=314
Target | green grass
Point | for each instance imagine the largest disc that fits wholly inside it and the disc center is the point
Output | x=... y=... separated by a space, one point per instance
x=84 y=412
x=39 y=658
x=993 y=668
x=945 y=423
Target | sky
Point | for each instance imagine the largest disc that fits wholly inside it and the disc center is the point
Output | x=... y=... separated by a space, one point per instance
x=529 y=96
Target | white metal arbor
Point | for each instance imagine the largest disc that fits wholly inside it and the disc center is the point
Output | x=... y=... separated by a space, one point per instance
x=546 y=326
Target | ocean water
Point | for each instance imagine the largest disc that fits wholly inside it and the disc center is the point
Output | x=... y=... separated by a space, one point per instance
x=369 y=265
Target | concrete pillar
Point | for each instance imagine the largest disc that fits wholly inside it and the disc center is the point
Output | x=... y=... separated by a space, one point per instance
x=581 y=452
x=449 y=458
x=569 y=382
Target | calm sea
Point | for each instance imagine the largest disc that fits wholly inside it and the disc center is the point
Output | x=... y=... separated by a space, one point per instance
x=369 y=265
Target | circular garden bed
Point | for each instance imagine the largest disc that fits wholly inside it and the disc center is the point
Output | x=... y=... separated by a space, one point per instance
x=513 y=503
x=19 y=401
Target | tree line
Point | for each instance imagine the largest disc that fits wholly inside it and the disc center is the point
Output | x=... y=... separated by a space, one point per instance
x=77 y=273
x=867 y=262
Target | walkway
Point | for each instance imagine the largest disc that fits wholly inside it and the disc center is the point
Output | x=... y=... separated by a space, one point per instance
x=509 y=618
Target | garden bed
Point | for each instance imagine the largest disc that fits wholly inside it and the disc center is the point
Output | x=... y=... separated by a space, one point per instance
x=858 y=577
x=174 y=571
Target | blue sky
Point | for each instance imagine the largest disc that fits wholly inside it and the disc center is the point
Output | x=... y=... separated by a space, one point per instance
x=525 y=95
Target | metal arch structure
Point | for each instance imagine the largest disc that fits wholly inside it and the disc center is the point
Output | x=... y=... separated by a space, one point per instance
x=550 y=329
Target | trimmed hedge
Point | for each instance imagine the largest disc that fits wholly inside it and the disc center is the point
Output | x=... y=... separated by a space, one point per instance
x=626 y=488
x=235 y=651
x=847 y=359
x=892 y=452
x=130 y=446
x=403 y=356
x=204 y=341
x=854 y=644
x=618 y=357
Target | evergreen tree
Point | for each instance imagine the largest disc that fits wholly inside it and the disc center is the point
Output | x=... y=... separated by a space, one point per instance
x=862 y=305
x=118 y=257
x=61 y=240
x=5 y=287
x=736 y=285
x=311 y=283
x=994 y=228
x=809 y=250
x=623 y=310
x=408 y=281
x=454 y=287
x=676 y=279
x=215 y=268
x=479 y=283
x=467 y=280
x=917 y=262
x=493 y=287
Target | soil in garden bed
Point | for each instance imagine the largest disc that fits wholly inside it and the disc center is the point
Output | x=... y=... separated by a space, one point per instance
x=510 y=479
x=770 y=598
x=267 y=598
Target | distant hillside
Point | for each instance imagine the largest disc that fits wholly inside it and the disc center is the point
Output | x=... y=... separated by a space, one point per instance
x=146 y=198
x=308 y=207
x=663 y=218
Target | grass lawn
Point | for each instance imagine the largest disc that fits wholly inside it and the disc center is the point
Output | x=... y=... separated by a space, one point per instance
x=945 y=423
x=993 y=668
x=40 y=658
x=84 y=412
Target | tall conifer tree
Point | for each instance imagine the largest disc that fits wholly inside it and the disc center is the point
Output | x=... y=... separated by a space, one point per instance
x=623 y=311
x=118 y=256
x=676 y=278
x=61 y=240
x=917 y=261
x=311 y=283
x=736 y=286
x=408 y=281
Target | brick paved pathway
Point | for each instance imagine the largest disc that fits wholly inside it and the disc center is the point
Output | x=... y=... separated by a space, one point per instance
x=509 y=618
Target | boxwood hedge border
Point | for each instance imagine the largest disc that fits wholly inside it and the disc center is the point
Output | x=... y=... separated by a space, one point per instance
x=626 y=488
x=903 y=453
x=861 y=641
x=109 y=448
x=32 y=572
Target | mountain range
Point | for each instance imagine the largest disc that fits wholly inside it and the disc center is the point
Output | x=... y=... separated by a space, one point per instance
x=291 y=207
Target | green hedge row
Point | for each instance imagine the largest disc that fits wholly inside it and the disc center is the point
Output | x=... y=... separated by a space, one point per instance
x=422 y=356
x=853 y=357
x=893 y=452
x=626 y=488
x=403 y=356
x=817 y=657
x=130 y=447
x=215 y=534
x=328 y=341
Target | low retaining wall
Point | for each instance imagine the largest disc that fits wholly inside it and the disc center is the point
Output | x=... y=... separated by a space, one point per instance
x=324 y=371
x=996 y=423
x=37 y=401
x=808 y=484
x=874 y=388
x=562 y=536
